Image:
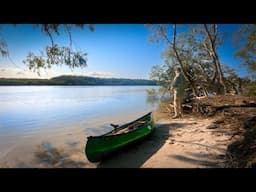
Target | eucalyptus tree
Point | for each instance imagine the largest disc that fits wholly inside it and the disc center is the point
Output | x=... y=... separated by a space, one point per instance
x=245 y=39
x=175 y=48
x=194 y=49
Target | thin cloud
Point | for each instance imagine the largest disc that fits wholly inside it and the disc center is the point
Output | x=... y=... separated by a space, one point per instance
x=101 y=74
x=17 y=73
x=20 y=73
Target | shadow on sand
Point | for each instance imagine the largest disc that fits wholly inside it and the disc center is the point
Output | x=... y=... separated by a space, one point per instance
x=136 y=155
x=209 y=160
x=50 y=156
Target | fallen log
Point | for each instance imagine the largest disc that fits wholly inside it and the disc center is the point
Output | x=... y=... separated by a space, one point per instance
x=252 y=104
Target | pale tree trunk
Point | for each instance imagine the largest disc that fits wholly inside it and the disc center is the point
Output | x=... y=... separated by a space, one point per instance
x=214 y=55
x=186 y=75
x=206 y=78
x=204 y=90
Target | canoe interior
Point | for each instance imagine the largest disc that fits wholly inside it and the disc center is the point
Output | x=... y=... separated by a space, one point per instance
x=132 y=126
x=99 y=146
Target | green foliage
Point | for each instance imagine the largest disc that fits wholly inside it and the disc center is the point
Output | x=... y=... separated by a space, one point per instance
x=157 y=32
x=163 y=74
x=195 y=51
x=55 y=56
x=245 y=38
x=233 y=81
x=185 y=46
x=251 y=89
x=151 y=91
x=247 y=86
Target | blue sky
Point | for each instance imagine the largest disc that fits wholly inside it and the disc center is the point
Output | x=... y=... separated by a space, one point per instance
x=114 y=50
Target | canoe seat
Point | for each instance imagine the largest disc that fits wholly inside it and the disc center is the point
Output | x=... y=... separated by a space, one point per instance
x=114 y=125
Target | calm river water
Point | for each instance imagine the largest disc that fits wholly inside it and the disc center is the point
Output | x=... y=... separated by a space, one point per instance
x=28 y=112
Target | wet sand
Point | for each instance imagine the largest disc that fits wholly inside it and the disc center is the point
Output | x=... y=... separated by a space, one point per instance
x=178 y=143
x=55 y=146
x=48 y=151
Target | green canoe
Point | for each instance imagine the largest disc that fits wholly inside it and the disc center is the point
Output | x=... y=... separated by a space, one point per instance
x=98 y=147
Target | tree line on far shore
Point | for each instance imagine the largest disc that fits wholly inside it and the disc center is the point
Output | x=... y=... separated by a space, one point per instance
x=76 y=80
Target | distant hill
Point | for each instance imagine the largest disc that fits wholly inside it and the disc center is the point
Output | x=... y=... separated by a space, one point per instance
x=76 y=80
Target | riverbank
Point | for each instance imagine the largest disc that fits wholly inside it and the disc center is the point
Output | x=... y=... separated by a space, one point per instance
x=219 y=133
x=179 y=143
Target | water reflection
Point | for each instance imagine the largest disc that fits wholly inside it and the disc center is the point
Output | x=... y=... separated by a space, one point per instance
x=155 y=95
x=27 y=110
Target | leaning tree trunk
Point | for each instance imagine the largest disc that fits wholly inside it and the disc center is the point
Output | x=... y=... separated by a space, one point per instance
x=186 y=75
x=212 y=51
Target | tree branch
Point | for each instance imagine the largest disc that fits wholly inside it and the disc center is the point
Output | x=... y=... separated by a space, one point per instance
x=47 y=31
x=167 y=39
x=68 y=29
x=215 y=57
x=186 y=75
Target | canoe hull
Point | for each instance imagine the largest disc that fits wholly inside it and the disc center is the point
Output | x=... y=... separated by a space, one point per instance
x=101 y=146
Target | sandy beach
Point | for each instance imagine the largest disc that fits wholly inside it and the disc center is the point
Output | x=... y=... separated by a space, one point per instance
x=176 y=143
